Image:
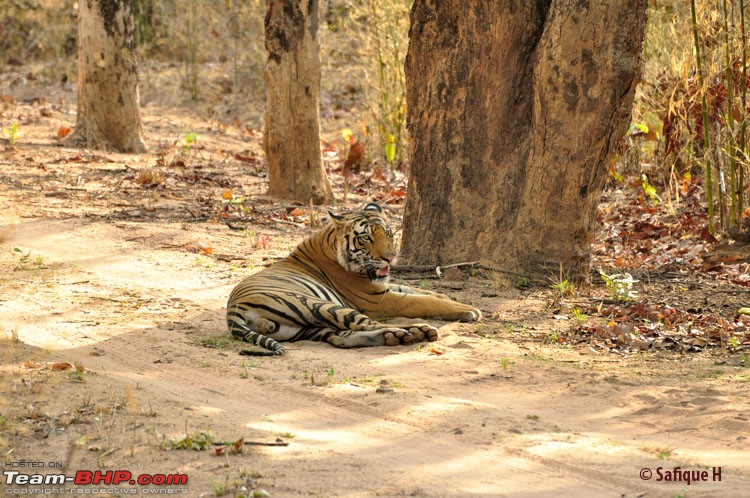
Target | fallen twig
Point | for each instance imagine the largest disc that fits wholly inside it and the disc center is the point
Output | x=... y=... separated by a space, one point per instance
x=252 y=443
x=440 y=268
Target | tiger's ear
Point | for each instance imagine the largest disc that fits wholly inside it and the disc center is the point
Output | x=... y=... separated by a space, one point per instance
x=336 y=218
x=373 y=207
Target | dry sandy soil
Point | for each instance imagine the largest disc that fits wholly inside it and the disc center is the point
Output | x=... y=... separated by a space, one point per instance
x=114 y=350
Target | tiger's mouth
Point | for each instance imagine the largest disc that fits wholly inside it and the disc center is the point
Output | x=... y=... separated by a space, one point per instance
x=383 y=271
x=379 y=273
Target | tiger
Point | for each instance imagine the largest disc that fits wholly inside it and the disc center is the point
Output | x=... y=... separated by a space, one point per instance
x=334 y=287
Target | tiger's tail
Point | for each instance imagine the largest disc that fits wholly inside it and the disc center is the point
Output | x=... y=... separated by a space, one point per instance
x=239 y=329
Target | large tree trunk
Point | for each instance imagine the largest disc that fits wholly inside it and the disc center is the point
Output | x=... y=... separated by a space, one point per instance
x=292 y=133
x=514 y=110
x=108 y=100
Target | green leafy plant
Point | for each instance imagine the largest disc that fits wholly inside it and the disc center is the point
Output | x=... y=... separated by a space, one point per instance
x=649 y=189
x=217 y=341
x=620 y=285
x=285 y=435
x=13 y=133
x=191 y=441
x=507 y=363
x=579 y=316
x=522 y=282
x=29 y=263
x=221 y=489
x=24 y=255
x=733 y=342
x=564 y=286
x=190 y=139
x=663 y=454
x=78 y=374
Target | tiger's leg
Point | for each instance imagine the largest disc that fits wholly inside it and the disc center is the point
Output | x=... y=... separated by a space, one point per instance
x=415 y=305
x=321 y=320
x=372 y=334
x=349 y=328
x=405 y=289
x=384 y=336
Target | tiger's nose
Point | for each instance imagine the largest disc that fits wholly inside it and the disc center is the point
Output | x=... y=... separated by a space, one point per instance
x=387 y=259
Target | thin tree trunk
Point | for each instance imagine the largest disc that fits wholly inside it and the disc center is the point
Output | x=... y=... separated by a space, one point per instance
x=514 y=111
x=108 y=99
x=292 y=132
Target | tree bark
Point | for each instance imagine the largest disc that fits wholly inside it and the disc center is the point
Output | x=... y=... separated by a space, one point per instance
x=514 y=109
x=108 y=99
x=292 y=74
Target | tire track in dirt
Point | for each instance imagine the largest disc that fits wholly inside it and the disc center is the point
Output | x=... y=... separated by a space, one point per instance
x=431 y=436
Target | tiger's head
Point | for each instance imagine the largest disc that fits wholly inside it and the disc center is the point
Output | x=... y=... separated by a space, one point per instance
x=364 y=242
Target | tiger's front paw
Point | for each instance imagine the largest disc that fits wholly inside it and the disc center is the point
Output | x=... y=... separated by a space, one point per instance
x=395 y=336
x=409 y=334
x=423 y=332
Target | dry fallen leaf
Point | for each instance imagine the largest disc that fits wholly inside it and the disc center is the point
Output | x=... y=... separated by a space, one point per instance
x=149 y=178
x=63 y=131
x=354 y=158
x=200 y=247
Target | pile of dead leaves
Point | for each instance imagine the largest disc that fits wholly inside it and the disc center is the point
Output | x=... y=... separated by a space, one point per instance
x=635 y=327
x=637 y=232
x=691 y=288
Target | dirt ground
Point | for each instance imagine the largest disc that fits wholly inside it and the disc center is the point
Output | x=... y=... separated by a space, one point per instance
x=114 y=273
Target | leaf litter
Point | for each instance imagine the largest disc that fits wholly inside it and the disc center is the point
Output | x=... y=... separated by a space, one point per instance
x=688 y=299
